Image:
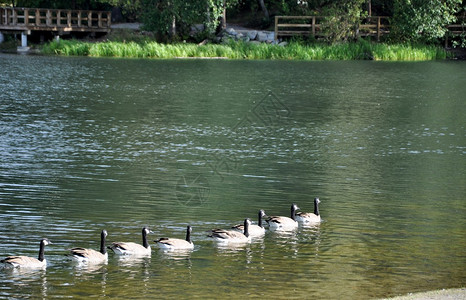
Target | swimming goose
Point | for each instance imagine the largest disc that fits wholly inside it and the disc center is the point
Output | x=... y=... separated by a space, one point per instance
x=309 y=218
x=232 y=236
x=131 y=248
x=26 y=261
x=177 y=244
x=83 y=255
x=279 y=223
x=254 y=230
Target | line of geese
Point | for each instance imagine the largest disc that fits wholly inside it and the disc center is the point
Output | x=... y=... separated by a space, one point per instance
x=237 y=234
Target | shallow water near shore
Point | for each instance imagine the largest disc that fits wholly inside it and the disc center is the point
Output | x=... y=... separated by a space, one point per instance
x=91 y=143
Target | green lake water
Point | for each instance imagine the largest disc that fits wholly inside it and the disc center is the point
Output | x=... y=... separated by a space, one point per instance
x=88 y=144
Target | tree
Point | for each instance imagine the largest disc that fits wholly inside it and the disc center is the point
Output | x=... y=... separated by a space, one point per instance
x=342 y=20
x=129 y=8
x=264 y=9
x=172 y=19
x=423 y=20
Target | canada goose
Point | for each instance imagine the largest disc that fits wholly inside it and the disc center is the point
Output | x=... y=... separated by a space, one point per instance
x=177 y=244
x=83 y=255
x=254 y=230
x=232 y=236
x=279 y=223
x=131 y=248
x=26 y=261
x=308 y=218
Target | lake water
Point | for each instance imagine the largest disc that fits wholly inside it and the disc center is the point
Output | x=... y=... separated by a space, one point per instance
x=88 y=144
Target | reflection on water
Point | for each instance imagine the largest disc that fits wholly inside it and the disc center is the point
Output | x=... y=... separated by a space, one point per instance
x=122 y=144
x=17 y=283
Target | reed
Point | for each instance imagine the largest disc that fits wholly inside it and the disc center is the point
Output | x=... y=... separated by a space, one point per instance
x=361 y=50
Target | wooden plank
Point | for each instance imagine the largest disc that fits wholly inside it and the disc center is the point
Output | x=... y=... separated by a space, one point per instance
x=26 y=17
x=295 y=25
x=294 y=32
x=68 y=18
x=300 y=17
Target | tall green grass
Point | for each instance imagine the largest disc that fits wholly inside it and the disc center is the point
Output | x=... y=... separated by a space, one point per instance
x=361 y=50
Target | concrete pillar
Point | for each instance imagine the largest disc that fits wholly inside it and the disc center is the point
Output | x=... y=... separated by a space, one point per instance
x=24 y=39
x=24 y=43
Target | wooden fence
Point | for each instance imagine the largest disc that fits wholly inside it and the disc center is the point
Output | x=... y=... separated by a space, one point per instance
x=312 y=26
x=21 y=19
x=375 y=26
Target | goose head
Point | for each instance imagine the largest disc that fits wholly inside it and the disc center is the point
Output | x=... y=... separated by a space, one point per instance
x=262 y=213
x=45 y=242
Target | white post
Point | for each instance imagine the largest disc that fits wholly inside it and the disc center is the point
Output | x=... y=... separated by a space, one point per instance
x=24 y=39
x=24 y=43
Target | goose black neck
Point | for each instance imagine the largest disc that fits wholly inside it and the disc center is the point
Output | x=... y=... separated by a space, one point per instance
x=188 y=234
x=41 y=250
x=316 y=207
x=246 y=228
x=145 y=243
x=103 y=249
x=260 y=219
x=293 y=212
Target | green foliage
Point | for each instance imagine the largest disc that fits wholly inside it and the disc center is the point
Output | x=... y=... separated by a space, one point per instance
x=172 y=19
x=10 y=43
x=423 y=20
x=342 y=21
x=360 y=50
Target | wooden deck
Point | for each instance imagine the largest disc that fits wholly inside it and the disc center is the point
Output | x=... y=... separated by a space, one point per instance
x=55 y=20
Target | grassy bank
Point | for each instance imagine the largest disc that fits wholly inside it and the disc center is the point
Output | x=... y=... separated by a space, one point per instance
x=239 y=50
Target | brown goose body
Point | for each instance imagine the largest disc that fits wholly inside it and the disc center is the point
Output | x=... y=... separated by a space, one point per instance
x=84 y=255
x=177 y=244
x=130 y=248
x=281 y=223
x=26 y=261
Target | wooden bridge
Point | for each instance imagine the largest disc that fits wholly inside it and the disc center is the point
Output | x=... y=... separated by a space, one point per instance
x=57 y=20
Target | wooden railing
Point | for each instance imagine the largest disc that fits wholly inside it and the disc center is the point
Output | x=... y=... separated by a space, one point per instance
x=297 y=25
x=458 y=28
x=455 y=30
x=54 y=19
x=312 y=26
x=376 y=26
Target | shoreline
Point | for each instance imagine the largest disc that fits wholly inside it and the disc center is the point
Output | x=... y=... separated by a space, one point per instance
x=444 y=294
